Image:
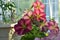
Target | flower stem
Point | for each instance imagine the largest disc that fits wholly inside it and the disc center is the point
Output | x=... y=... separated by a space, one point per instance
x=30 y=8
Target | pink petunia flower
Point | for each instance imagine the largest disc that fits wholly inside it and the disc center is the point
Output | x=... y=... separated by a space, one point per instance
x=52 y=25
x=54 y=29
x=43 y=26
x=23 y=26
x=39 y=16
x=38 y=6
x=27 y=14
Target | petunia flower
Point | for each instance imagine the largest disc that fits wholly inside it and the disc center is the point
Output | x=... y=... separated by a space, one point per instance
x=39 y=16
x=27 y=14
x=38 y=6
x=54 y=29
x=43 y=27
x=52 y=25
x=23 y=26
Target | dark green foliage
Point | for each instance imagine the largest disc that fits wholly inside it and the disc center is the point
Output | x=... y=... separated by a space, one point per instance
x=35 y=32
x=9 y=5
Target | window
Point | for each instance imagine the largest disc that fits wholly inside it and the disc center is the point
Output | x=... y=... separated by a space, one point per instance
x=47 y=10
x=51 y=9
x=0 y=13
x=22 y=5
x=59 y=13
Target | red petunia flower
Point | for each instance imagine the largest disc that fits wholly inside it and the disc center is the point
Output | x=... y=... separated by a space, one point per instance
x=52 y=25
x=23 y=26
x=39 y=16
x=38 y=6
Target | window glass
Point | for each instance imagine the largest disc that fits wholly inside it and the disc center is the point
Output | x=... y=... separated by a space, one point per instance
x=59 y=12
x=0 y=13
x=54 y=7
x=47 y=9
x=21 y=5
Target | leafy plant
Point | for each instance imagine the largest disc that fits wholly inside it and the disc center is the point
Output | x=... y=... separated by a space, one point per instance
x=33 y=23
x=8 y=6
x=35 y=32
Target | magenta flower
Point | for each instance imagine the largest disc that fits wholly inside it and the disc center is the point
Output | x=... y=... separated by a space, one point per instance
x=39 y=15
x=44 y=26
x=52 y=25
x=23 y=26
x=38 y=6
x=39 y=11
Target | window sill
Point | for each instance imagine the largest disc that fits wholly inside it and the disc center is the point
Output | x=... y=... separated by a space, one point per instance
x=2 y=25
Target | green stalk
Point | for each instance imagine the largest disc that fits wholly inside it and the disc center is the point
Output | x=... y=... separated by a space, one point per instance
x=30 y=8
x=4 y=19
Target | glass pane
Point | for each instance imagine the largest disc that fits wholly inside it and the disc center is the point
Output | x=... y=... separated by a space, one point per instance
x=55 y=9
x=59 y=12
x=0 y=13
x=54 y=5
x=22 y=5
x=47 y=9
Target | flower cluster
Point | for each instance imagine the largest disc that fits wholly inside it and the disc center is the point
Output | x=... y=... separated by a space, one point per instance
x=38 y=12
x=33 y=23
x=23 y=26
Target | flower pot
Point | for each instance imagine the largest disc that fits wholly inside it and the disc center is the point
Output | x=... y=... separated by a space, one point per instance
x=39 y=38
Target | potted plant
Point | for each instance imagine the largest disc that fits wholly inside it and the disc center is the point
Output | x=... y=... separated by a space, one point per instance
x=33 y=24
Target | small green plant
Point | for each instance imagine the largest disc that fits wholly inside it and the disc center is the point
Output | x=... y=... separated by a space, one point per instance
x=10 y=6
